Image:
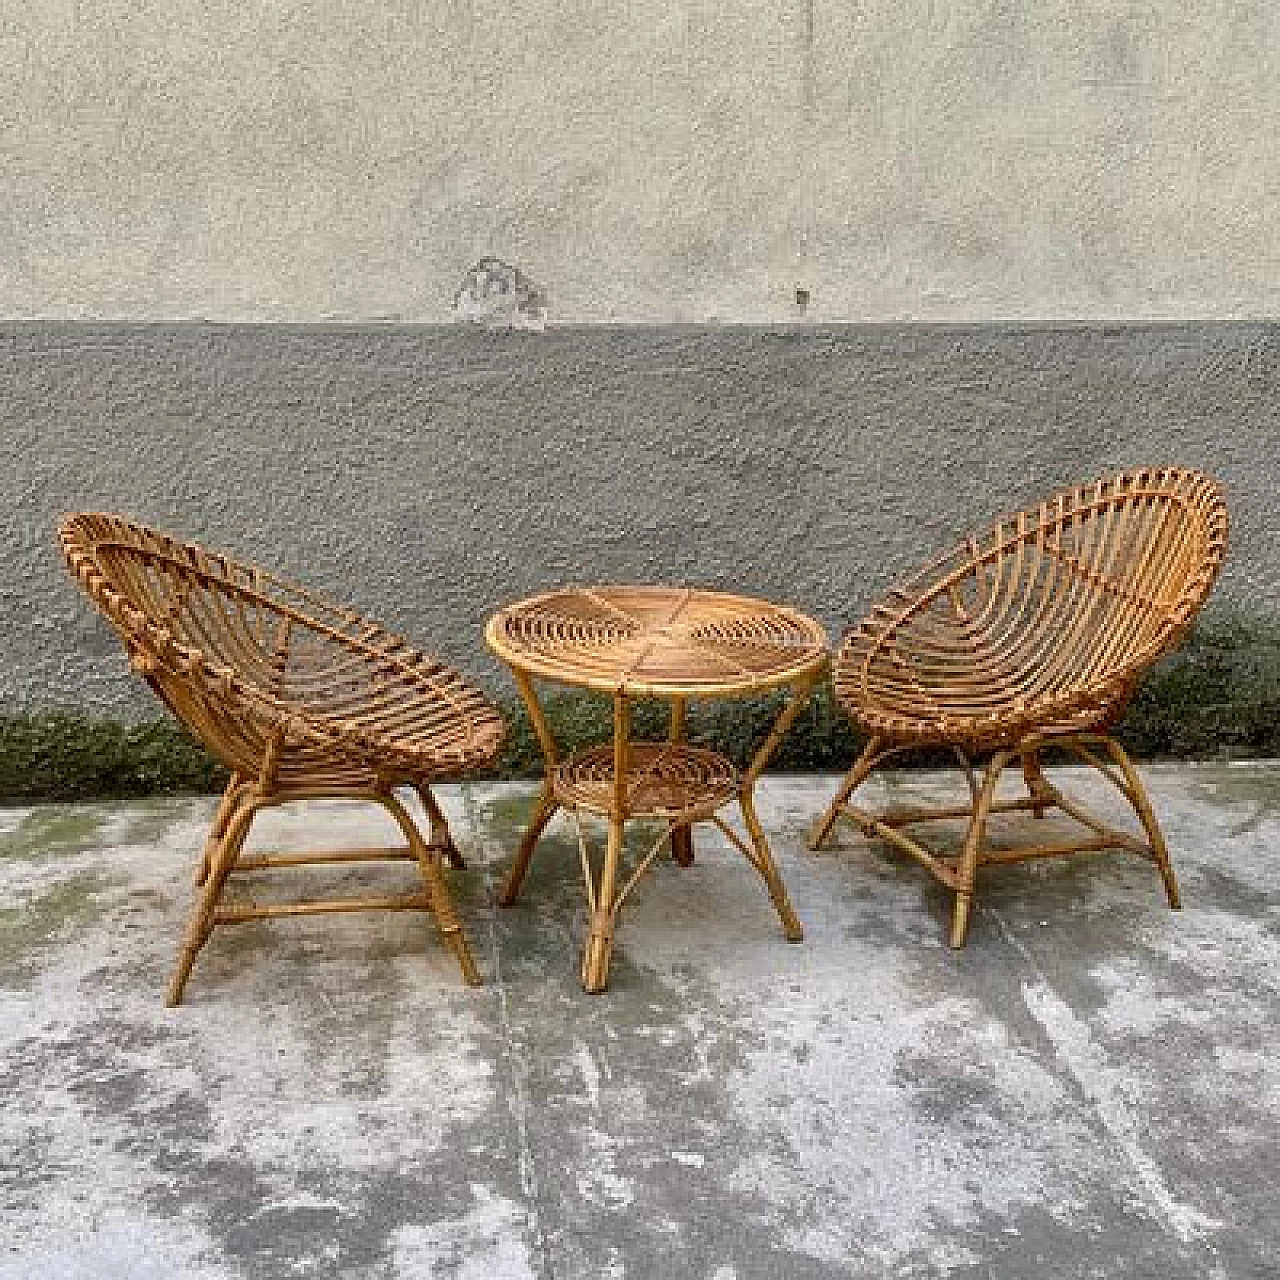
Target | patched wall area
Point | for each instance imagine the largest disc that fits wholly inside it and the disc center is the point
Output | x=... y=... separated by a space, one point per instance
x=430 y=475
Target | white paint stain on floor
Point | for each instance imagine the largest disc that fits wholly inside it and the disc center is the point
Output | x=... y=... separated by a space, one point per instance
x=1116 y=1097
x=486 y=1243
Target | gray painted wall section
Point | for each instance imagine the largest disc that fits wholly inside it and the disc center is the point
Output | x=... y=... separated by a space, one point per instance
x=659 y=161
x=430 y=475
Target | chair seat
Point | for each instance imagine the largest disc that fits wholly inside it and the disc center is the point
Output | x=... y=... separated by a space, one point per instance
x=979 y=714
x=359 y=753
x=357 y=710
x=664 y=780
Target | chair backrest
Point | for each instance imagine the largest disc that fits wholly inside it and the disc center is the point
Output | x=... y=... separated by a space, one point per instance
x=1065 y=603
x=241 y=655
x=172 y=600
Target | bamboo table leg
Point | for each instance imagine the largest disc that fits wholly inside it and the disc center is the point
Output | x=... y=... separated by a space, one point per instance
x=542 y=814
x=598 y=952
x=768 y=869
x=681 y=836
x=763 y=859
x=682 y=845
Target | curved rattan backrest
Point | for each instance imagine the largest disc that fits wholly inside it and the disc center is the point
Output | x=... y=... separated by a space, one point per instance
x=246 y=658
x=1047 y=613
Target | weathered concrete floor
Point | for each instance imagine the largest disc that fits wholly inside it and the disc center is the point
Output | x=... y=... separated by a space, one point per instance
x=1092 y=1088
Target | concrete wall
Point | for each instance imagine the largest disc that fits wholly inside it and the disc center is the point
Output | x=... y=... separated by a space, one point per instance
x=430 y=475
x=663 y=160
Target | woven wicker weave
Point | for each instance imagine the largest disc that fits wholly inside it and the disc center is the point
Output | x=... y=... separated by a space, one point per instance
x=658 y=641
x=299 y=697
x=664 y=780
x=668 y=642
x=1032 y=634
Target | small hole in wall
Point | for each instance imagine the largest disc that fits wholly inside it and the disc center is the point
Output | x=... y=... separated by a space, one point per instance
x=802 y=299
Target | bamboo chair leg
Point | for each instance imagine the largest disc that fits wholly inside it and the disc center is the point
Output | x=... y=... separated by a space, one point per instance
x=200 y=925
x=227 y=806
x=441 y=836
x=542 y=814
x=597 y=955
x=768 y=869
x=971 y=856
x=1141 y=802
x=442 y=908
x=856 y=776
x=1037 y=787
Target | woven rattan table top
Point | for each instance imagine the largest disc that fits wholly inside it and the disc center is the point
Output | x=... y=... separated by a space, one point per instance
x=665 y=641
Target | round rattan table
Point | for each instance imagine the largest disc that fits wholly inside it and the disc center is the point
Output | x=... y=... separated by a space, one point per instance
x=671 y=643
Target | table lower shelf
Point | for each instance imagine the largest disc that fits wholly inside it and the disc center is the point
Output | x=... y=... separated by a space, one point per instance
x=664 y=780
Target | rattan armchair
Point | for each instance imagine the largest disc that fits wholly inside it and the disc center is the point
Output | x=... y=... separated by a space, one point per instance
x=1029 y=636
x=299 y=698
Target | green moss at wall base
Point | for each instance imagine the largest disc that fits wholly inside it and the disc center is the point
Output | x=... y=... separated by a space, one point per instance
x=68 y=756
x=1217 y=696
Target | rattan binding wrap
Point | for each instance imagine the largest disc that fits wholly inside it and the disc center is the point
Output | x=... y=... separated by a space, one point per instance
x=298 y=696
x=1032 y=633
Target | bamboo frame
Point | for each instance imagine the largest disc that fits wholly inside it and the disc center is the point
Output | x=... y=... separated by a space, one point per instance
x=675 y=644
x=1029 y=636
x=301 y=699
x=224 y=858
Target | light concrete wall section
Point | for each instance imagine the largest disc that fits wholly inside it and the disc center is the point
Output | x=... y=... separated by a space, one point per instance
x=1062 y=158
x=666 y=160
x=429 y=476
x=307 y=161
